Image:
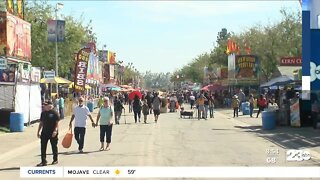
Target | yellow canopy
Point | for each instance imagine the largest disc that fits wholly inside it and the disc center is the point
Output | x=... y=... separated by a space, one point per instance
x=55 y=80
x=72 y=84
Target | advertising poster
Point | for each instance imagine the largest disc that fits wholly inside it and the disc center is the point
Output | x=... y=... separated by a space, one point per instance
x=111 y=57
x=35 y=74
x=246 y=67
x=60 y=30
x=56 y=30
x=18 y=38
x=8 y=74
x=81 y=69
x=52 y=30
x=295 y=114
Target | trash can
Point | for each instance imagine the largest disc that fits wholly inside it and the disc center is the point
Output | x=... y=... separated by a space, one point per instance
x=268 y=120
x=245 y=106
x=90 y=106
x=16 y=122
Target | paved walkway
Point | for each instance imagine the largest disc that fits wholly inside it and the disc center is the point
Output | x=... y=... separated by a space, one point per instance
x=15 y=144
x=285 y=136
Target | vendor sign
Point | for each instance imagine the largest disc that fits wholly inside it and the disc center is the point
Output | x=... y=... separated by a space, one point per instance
x=81 y=69
x=246 y=67
x=291 y=61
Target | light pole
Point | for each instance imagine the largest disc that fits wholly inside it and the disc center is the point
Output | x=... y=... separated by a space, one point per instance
x=58 y=6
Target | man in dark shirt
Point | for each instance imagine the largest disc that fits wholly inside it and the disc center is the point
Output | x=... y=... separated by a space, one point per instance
x=49 y=123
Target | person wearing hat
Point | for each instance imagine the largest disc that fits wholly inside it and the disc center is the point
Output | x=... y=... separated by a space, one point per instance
x=235 y=105
x=80 y=114
x=105 y=116
x=49 y=124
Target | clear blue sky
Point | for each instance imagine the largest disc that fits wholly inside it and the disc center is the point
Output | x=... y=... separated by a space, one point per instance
x=162 y=36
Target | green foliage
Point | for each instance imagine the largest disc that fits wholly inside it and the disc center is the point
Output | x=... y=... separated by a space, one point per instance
x=43 y=52
x=269 y=43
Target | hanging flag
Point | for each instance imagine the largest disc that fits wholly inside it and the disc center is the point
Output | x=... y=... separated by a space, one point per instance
x=20 y=8
x=111 y=57
x=10 y=6
x=60 y=30
x=56 y=29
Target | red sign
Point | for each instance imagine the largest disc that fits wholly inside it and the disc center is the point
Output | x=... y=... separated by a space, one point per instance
x=18 y=38
x=81 y=69
x=291 y=61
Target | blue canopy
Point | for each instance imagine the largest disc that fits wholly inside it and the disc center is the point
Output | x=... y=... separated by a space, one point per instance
x=278 y=81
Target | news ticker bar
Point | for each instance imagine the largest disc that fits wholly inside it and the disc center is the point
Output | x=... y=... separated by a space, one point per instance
x=171 y=172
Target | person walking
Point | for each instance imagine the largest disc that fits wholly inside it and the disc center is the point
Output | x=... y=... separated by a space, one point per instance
x=149 y=102
x=206 y=105
x=49 y=125
x=105 y=116
x=136 y=106
x=235 y=105
x=192 y=100
x=61 y=107
x=251 y=101
x=242 y=99
x=118 y=106
x=80 y=114
x=211 y=106
x=156 y=104
x=262 y=103
x=145 y=110
x=200 y=105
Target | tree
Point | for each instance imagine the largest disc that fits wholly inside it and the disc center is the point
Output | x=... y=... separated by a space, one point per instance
x=43 y=52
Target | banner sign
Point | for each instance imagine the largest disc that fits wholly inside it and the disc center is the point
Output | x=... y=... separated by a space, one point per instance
x=103 y=56
x=15 y=37
x=35 y=74
x=111 y=57
x=246 y=67
x=56 y=30
x=3 y=63
x=49 y=74
x=295 y=113
x=315 y=59
x=291 y=61
x=81 y=69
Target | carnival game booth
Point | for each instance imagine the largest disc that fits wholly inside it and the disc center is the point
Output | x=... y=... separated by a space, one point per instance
x=290 y=111
x=20 y=100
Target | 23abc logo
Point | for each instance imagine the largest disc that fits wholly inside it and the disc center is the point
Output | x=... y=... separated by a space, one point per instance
x=314 y=72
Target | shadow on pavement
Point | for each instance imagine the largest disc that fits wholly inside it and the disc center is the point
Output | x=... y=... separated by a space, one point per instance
x=10 y=169
x=287 y=137
x=73 y=152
